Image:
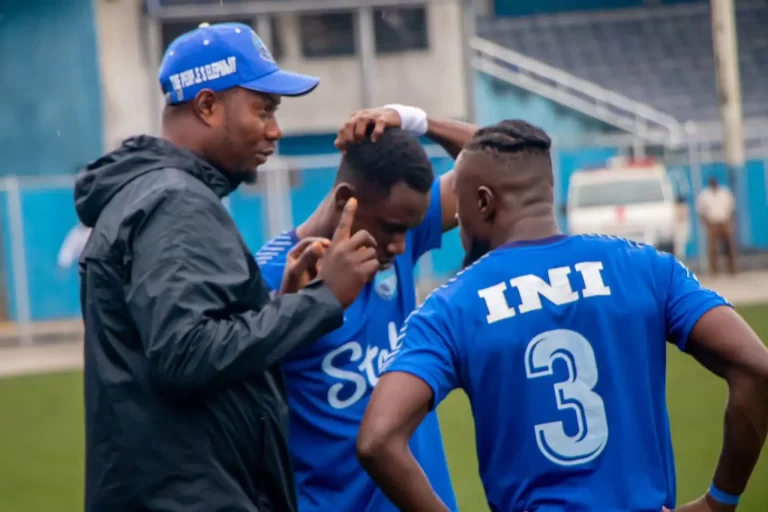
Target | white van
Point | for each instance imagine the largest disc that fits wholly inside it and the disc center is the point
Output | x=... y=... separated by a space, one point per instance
x=633 y=200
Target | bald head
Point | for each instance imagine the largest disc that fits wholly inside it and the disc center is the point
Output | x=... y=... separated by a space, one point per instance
x=503 y=180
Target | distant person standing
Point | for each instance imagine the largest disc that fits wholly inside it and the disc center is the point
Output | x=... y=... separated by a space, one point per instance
x=715 y=206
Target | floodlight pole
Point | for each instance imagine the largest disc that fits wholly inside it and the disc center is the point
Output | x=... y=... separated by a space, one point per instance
x=729 y=88
x=366 y=45
x=468 y=33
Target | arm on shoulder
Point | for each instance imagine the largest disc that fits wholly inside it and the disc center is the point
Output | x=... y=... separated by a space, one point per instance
x=451 y=136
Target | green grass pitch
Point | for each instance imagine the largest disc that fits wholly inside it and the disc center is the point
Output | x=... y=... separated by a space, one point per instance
x=41 y=437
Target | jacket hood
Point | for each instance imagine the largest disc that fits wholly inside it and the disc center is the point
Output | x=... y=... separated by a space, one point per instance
x=98 y=183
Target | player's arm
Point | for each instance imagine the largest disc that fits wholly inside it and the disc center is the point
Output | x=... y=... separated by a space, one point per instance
x=704 y=325
x=421 y=375
x=452 y=136
x=723 y=342
x=398 y=405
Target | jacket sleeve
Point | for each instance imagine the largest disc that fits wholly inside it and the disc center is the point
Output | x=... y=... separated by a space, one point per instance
x=189 y=293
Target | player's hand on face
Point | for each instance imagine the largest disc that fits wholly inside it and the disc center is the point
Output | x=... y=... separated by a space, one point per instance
x=703 y=504
x=354 y=129
x=303 y=263
x=350 y=261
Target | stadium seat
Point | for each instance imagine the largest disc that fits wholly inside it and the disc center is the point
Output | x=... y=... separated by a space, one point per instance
x=658 y=55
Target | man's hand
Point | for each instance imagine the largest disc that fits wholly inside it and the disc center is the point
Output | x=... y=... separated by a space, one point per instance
x=354 y=129
x=302 y=263
x=350 y=261
x=703 y=504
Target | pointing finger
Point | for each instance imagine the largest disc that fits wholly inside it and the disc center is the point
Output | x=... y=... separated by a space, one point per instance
x=344 y=227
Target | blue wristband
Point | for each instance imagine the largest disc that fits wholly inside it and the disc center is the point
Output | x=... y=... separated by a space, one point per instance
x=722 y=496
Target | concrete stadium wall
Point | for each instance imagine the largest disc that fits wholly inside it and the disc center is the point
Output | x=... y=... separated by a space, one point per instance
x=430 y=78
x=50 y=121
x=129 y=82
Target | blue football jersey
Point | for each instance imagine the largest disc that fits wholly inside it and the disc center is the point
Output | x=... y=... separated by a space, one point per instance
x=560 y=345
x=330 y=381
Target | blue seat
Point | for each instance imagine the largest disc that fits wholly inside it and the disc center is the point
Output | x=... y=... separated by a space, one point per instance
x=664 y=60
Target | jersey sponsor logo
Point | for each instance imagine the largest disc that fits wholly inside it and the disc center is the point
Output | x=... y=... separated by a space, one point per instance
x=385 y=283
x=357 y=370
x=532 y=288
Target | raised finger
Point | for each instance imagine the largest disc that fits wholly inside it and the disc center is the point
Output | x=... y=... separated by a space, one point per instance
x=344 y=228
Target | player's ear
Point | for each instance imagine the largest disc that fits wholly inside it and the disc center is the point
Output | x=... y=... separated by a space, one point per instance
x=486 y=202
x=342 y=193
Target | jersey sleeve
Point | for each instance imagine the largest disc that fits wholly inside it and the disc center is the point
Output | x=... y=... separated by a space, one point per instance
x=687 y=301
x=428 y=349
x=271 y=261
x=272 y=273
x=429 y=234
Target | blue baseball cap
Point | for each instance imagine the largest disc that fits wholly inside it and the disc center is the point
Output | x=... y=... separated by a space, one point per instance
x=221 y=56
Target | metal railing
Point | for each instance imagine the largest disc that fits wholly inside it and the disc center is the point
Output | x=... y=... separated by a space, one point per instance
x=573 y=92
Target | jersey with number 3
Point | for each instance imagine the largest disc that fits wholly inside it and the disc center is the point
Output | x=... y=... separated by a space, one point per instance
x=560 y=345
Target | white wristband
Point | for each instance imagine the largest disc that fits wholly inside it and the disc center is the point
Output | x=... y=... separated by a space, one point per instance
x=412 y=119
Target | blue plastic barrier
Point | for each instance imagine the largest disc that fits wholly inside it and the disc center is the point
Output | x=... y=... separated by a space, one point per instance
x=48 y=215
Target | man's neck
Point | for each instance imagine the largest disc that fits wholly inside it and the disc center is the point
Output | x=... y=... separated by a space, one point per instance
x=529 y=228
x=320 y=223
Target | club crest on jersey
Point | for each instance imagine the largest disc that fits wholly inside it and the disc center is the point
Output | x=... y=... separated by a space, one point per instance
x=385 y=283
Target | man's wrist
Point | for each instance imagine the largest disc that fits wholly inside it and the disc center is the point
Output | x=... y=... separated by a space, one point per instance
x=721 y=497
x=412 y=119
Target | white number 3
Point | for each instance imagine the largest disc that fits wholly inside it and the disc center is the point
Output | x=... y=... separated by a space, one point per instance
x=575 y=394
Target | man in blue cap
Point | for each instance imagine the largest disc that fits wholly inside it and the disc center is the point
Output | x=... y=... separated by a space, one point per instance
x=184 y=399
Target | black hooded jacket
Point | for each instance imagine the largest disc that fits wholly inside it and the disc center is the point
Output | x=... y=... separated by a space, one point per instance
x=184 y=402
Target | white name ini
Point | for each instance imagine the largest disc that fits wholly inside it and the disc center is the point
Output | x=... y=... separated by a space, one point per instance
x=532 y=288
x=576 y=394
x=366 y=365
x=200 y=74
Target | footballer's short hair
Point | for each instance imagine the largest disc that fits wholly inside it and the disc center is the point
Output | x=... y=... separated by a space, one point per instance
x=395 y=157
x=509 y=137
